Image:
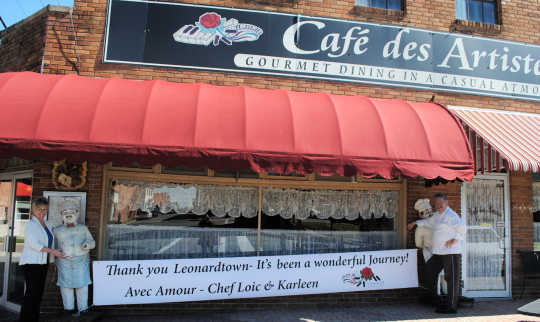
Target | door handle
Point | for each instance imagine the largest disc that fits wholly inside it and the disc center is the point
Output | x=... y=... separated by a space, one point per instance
x=5 y=244
x=12 y=244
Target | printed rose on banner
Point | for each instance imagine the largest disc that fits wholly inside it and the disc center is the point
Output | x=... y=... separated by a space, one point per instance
x=211 y=28
x=367 y=273
x=364 y=278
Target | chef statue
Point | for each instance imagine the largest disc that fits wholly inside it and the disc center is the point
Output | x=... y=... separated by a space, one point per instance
x=423 y=236
x=73 y=270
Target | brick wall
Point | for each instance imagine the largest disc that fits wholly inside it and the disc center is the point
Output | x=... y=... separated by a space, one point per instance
x=41 y=181
x=521 y=212
x=22 y=45
x=283 y=302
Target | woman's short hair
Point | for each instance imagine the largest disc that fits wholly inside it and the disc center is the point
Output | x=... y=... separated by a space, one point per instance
x=40 y=201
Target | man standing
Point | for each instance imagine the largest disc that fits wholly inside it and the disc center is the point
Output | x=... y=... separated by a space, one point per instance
x=448 y=232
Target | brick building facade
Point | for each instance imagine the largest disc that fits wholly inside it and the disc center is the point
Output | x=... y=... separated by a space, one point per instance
x=61 y=40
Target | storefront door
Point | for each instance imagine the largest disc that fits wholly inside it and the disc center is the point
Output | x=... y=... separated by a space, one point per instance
x=15 y=194
x=486 y=251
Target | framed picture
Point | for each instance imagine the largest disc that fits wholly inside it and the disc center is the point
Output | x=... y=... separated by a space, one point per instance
x=54 y=216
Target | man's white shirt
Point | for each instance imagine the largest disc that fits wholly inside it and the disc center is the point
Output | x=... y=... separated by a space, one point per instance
x=446 y=226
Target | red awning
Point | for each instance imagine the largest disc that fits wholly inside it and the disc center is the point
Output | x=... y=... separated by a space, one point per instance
x=150 y=122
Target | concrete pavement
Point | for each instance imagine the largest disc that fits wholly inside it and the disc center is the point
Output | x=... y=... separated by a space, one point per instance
x=483 y=311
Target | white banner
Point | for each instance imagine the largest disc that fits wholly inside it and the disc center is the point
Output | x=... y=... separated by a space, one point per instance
x=179 y=280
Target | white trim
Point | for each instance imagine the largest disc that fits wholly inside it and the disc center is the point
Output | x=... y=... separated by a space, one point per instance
x=11 y=176
x=507 y=293
x=491 y=111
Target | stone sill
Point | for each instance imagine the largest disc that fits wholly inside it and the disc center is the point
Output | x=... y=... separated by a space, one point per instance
x=468 y=26
x=275 y=2
x=381 y=14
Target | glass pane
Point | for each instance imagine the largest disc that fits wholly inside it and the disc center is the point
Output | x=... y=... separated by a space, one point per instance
x=293 y=236
x=153 y=220
x=475 y=11
x=362 y=3
x=461 y=9
x=394 y=5
x=23 y=193
x=317 y=221
x=485 y=235
x=378 y=4
x=490 y=16
x=5 y=203
x=16 y=162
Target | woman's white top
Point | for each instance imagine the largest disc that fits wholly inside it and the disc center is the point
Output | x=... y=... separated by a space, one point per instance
x=35 y=238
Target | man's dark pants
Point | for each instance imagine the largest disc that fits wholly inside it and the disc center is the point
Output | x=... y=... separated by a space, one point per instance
x=452 y=268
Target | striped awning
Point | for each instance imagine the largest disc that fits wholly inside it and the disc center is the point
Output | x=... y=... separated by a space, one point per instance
x=511 y=135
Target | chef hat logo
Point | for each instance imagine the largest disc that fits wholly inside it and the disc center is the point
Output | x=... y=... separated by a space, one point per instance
x=422 y=205
x=67 y=203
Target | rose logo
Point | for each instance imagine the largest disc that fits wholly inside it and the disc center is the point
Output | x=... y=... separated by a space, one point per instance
x=367 y=273
x=213 y=29
x=210 y=20
x=364 y=278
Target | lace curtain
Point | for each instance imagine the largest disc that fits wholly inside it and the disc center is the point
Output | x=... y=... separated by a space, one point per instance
x=485 y=238
x=237 y=201
x=133 y=242
x=536 y=196
x=326 y=204
x=234 y=201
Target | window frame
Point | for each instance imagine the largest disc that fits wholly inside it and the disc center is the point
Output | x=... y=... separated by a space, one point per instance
x=402 y=5
x=496 y=10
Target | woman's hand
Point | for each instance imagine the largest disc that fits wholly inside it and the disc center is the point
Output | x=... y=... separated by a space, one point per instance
x=58 y=253
x=55 y=252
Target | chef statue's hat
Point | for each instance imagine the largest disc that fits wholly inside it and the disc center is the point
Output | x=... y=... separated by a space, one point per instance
x=423 y=207
x=67 y=203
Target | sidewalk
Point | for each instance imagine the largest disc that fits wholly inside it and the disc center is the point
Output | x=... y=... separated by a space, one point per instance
x=483 y=311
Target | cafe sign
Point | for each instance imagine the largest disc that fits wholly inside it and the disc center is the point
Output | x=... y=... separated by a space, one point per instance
x=249 y=41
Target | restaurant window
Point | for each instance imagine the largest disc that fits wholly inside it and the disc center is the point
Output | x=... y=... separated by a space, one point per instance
x=383 y=4
x=326 y=221
x=156 y=220
x=477 y=10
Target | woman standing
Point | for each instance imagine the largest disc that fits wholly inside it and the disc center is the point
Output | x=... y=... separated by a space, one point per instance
x=38 y=243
